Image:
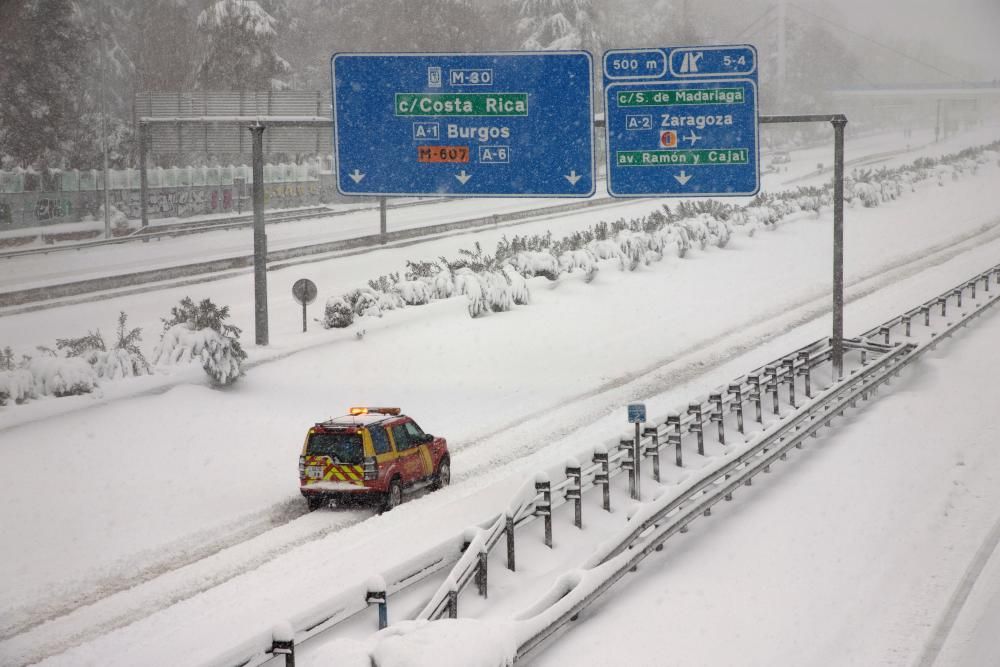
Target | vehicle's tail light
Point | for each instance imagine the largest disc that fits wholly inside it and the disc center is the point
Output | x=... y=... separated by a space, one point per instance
x=302 y=467
x=370 y=468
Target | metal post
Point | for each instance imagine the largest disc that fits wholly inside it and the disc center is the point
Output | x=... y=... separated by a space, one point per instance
x=259 y=237
x=789 y=365
x=453 y=603
x=285 y=648
x=545 y=509
x=805 y=371
x=509 y=530
x=379 y=597
x=674 y=437
x=718 y=416
x=737 y=405
x=303 y=317
x=481 y=572
x=143 y=174
x=575 y=493
x=603 y=477
x=628 y=463
x=383 y=230
x=696 y=427
x=637 y=457
x=653 y=449
x=838 y=246
x=772 y=387
x=754 y=396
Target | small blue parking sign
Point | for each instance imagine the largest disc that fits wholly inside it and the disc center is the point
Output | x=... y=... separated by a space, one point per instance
x=636 y=413
x=465 y=125
x=682 y=121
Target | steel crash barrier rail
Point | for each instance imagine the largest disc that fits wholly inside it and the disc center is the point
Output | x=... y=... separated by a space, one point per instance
x=756 y=392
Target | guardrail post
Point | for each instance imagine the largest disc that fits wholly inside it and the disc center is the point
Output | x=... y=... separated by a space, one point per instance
x=575 y=493
x=628 y=463
x=754 y=395
x=696 y=426
x=958 y=296
x=718 y=416
x=805 y=370
x=379 y=598
x=885 y=332
x=653 y=449
x=509 y=530
x=943 y=302
x=737 y=405
x=283 y=646
x=772 y=387
x=972 y=289
x=453 y=603
x=986 y=281
x=603 y=476
x=906 y=323
x=481 y=572
x=789 y=365
x=674 y=438
x=927 y=315
x=544 y=510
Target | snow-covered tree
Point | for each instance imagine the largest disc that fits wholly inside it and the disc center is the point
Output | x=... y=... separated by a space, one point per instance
x=199 y=333
x=338 y=313
x=241 y=37
x=557 y=24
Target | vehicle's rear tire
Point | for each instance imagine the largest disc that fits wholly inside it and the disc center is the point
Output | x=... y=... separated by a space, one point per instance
x=315 y=502
x=443 y=476
x=394 y=496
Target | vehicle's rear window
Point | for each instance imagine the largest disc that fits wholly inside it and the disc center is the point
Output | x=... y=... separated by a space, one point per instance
x=341 y=447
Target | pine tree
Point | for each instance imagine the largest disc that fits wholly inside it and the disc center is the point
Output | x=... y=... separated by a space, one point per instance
x=558 y=24
x=241 y=37
x=41 y=78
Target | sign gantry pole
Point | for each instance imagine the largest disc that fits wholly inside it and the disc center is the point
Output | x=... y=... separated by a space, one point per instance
x=259 y=237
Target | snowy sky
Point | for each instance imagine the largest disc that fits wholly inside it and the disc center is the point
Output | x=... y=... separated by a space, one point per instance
x=966 y=29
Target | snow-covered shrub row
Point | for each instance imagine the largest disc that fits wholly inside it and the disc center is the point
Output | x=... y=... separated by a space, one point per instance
x=497 y=282
x=78 y=365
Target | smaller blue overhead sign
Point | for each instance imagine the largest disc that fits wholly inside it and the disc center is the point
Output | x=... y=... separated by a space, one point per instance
x=469 y=125
x=682 y=121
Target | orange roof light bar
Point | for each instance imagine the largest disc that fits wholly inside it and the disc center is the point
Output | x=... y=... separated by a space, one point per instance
x=365 y=410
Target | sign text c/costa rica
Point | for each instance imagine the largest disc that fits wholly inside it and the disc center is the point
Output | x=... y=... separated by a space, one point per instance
x=513 y=124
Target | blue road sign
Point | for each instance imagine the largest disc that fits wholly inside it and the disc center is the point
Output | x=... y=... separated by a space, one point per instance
x=469 y=125
x=682 y=121
x=636 y=413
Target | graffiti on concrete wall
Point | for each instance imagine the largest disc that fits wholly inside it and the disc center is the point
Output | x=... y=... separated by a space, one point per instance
x=48 y=209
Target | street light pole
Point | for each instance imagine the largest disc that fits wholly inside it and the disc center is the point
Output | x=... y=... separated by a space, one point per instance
x=104 y=124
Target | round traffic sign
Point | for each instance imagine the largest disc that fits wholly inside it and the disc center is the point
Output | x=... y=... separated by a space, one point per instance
x=304 y=291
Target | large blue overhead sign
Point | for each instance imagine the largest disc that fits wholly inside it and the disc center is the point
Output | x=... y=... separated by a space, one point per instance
x=470 y=125
x=682 y=121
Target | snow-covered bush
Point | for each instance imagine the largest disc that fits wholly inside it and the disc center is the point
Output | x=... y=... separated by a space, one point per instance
x=125 y=359
x=497 y=291
x=536 y=263
x=579 y=260
x=364 y=302
x=219 y=355
x=867 y=194
x=443 y=285
x=337 y=314
x=468 y=283
x=414 y=292
x=633 y=247
x=16 y=385
x=200 y=332
x=718 y=232
x=607 y=249
x=518 y=285
x=61 y=376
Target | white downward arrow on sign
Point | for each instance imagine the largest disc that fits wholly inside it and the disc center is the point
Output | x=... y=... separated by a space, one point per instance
x=572 y=177
x=463 y=177
x=356 y=176
x=682 y=178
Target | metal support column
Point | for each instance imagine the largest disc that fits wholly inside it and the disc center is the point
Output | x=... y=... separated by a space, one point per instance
x=259 y=237
x=143 y=174
x=383 y=227
x=838 y=245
